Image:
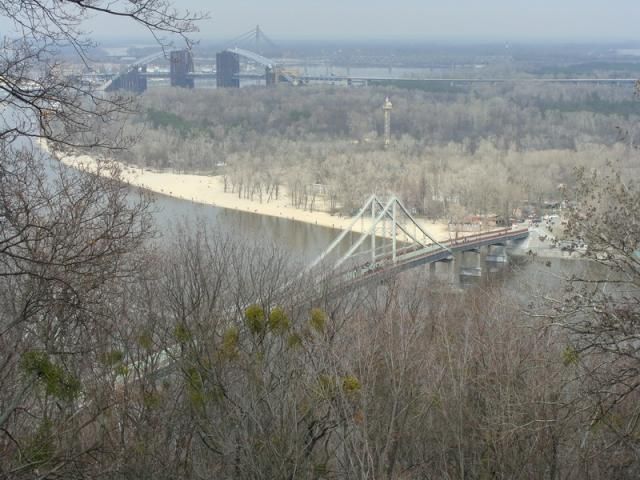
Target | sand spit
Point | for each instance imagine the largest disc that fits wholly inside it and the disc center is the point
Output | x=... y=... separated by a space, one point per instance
x=209 y=190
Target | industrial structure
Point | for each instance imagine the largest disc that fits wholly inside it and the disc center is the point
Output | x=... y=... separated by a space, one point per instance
x=228 y=67
x=181 y=62
x=387 y=107
x=227 y=70
x=182 y=71
x=133 y=80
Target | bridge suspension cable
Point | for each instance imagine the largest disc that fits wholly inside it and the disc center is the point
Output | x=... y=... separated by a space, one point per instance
x=262 y=37
x=388 y=242
x=255 y=39
x=241 y=39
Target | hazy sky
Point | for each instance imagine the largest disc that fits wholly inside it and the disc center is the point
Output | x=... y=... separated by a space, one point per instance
x=569 y=20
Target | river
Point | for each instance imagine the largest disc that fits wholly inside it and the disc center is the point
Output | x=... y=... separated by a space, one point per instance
x=304 y=242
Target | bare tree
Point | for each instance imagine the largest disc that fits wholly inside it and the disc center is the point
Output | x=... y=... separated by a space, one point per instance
x=601 y=311
x=68 y=241
x=45 y=103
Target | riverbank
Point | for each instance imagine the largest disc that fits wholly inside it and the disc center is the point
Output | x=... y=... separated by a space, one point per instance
x=209 y=190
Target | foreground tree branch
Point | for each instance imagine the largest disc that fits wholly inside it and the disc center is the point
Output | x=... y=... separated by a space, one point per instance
x=70 y=242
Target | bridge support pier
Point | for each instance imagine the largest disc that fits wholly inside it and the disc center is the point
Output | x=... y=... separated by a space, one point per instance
x=471 y=263
x=443 y=270
x=134 y=80
x=181 y=67
x=497 y=254
x=227 y=69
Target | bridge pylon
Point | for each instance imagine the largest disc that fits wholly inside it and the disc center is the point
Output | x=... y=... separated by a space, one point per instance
x=386 y=231
x=255 y=40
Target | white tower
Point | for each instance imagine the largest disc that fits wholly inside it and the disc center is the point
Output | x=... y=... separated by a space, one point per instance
x=387 y=107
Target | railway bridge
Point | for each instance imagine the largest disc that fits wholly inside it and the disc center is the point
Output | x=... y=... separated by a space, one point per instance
x=182 y=72
x=254 y=48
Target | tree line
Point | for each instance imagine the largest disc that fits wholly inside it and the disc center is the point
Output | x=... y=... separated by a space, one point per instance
x=479 y=151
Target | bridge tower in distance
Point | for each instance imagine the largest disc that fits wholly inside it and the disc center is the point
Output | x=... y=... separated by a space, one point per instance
x=181 y=67
x=133 y=80
x=387 y=107
x=228 y=68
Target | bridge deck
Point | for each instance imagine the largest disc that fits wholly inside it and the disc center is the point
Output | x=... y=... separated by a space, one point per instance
x=414 y=257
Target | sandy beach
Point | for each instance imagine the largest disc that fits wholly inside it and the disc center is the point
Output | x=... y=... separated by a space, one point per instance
x=209 y=190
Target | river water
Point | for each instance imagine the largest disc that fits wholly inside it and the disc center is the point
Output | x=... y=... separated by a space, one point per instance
x=304 y=242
